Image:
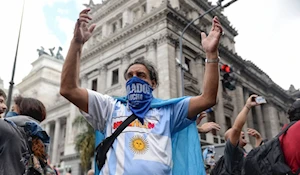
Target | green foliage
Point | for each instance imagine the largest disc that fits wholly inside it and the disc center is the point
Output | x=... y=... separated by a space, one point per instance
x=84 y=142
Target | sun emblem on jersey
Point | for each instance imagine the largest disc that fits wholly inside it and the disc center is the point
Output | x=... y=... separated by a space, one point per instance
x=138 y=144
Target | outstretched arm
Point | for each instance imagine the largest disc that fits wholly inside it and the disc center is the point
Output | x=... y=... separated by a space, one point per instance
x=69 y=87
x=240 y=120
x=211 y=78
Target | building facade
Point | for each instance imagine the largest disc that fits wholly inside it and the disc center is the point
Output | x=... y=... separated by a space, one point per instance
x=150 y=29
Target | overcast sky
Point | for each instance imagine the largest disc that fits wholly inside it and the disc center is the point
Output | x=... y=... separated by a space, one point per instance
x=269 y=34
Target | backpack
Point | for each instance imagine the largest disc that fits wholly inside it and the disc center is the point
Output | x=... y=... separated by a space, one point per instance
x=268 y=159
x=219 y=168
x=33 y=164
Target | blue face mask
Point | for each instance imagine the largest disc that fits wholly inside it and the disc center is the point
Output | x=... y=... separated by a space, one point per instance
x=139 y=96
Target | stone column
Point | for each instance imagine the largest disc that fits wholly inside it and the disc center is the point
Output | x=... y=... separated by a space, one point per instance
x=249 y=116
x=151 y=54
x=287 y=120
x=240 y=103
x=48 y=131
x=260 y=118
x=283 y=117
x=166 y=65
x=220 y=116
x=178 y=72
x=271 y=119
x=125 y=63
x=84 y=81
x=47 y=128
x=56 y=139
x=103 y=79
x=151 y=51
x=200 y=73
x=69 y=127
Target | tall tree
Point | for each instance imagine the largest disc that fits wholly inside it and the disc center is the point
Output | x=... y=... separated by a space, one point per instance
x=84 y=142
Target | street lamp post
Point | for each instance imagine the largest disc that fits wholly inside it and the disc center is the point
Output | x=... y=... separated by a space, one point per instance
x=219 y=4
x=11 y=83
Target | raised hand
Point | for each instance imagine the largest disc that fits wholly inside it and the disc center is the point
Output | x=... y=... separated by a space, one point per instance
x=251 y=102
x=202 y=115
x=210 y=43
x=256 y=135
x=207 y=127
x=82 y=33
x=253 y=133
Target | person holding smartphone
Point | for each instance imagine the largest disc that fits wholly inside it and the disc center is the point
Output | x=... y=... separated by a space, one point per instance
x=234 y=153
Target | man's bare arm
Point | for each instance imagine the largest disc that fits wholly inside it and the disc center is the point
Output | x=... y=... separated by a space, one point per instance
x=211 y=77
x=235 y=131
x=69 y=87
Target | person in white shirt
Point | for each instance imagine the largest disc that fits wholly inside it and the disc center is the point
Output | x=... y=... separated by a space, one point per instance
x=145 y=146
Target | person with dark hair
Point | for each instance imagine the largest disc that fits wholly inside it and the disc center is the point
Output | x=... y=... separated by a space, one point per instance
x=29 y=107
x=290 y=142
x=23 y=142
x=2 y=102
x=153 y=74
x=145 y=146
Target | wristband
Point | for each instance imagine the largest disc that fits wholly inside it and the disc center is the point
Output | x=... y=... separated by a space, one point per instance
x=212 y=60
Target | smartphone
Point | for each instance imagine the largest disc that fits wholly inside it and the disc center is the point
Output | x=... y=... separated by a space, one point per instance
x=260 y=100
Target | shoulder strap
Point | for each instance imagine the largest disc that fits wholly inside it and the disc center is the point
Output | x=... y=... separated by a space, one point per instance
x=105 y=145
x=124 y=124
x=286 y=128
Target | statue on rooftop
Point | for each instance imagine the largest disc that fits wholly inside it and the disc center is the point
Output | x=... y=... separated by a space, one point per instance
x=90 y=5
x=58 y=54
x=42 y=51
x=51 y=51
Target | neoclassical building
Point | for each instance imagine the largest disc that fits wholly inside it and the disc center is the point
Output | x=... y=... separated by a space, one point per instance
x=150 y=29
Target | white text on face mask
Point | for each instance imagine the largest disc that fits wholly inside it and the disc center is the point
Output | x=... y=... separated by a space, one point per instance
x=138 y=88
x=135 y=97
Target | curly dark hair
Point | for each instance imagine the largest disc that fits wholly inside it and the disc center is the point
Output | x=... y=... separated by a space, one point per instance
x=149 y=66
x=31 y=107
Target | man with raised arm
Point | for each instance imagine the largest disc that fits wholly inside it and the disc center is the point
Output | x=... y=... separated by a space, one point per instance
x=145 y=146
